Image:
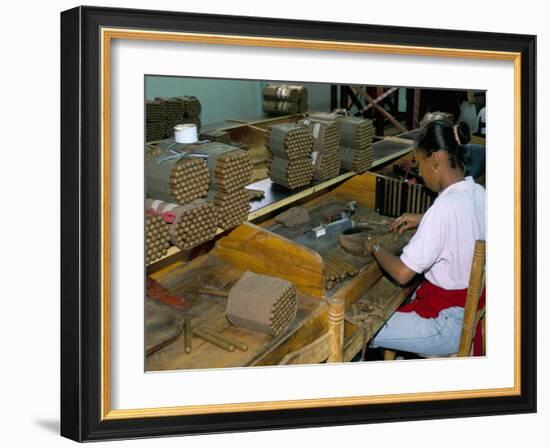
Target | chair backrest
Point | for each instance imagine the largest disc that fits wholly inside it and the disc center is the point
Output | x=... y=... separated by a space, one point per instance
x=328 y=347
x=471 y=313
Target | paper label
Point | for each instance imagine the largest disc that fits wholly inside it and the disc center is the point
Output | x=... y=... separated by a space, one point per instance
x=170 y=207
x=316 y=128
x=314 y=157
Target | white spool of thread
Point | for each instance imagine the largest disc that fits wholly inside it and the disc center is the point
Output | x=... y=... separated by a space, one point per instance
x=185 y=133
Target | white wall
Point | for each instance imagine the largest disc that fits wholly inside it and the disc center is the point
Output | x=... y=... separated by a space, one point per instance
x=30 y=313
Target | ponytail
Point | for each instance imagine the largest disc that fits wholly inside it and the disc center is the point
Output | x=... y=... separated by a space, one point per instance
x=463 y=135
x=440 y=135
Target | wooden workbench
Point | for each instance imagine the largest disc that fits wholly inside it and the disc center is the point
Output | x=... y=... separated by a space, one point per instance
x=261 y=249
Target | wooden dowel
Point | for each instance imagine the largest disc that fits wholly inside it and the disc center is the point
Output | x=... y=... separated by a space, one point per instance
x=336 y=311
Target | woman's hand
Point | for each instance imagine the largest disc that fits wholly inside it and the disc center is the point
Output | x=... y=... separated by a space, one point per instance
x=405 y=222
x=370 y=243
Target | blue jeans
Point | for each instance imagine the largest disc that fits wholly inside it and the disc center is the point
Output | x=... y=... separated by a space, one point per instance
x=409 y=332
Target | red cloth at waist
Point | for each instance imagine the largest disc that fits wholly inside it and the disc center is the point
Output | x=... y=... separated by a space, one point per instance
x=431 y=300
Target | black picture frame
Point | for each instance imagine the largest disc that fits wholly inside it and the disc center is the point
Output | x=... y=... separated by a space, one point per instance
x=81 y=224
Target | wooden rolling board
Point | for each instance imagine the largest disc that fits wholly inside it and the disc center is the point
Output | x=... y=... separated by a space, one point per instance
x=351 y=288
x=209 y=311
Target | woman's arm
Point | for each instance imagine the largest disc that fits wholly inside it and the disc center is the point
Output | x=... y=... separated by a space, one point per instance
x=392 y=264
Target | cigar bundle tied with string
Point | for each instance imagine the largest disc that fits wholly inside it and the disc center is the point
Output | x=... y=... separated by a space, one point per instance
x=155 y=117
x=356 y=136
x=284 y=92
x=232 y=208
x=353 y=159
x=281 y=107
x=230 y=171
x=326 y=134
x=326 y=165
x=289 y=148
x=230 y=167
x=192 y=112
x=262 y=303
x=326 y=140
x=192 y=105
x=155 y=131
x=356 y=132
x=181 y=110
x=356 y=151
x=289 y=141
x=176 y=177
x=291 y=174
x=175 y=111
x=156 y=237
x=155 y=111
x=284 y=99
x=190 y=224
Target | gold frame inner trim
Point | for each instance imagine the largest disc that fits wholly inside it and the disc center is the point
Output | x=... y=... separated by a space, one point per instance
x=107 y=35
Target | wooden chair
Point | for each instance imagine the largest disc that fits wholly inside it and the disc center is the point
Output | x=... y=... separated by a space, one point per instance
x=330 y=346
x=472 y=315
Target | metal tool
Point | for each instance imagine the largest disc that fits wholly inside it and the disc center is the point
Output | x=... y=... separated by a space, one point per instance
x=336 y=224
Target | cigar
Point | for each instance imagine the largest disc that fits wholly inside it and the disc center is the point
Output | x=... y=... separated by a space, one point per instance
x=215 y=340
x=240 y=345
x=187 y=335
x=214 y=292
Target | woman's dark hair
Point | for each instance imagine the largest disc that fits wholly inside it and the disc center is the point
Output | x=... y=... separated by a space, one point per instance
x=440 y=135
x=463 y=132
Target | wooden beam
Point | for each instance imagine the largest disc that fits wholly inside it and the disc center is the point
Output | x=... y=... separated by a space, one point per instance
x=380 y=109
x=416 y=109
x=380 y=98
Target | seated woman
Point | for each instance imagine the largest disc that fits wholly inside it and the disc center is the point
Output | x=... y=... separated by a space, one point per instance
x=441 y=249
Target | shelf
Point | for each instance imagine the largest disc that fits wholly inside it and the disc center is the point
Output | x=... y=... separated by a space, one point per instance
x=277 y=197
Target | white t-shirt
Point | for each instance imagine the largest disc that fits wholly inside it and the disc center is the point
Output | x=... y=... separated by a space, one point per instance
x=443 y=246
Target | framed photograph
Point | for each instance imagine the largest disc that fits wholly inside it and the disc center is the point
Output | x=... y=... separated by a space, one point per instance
x=162 y=271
